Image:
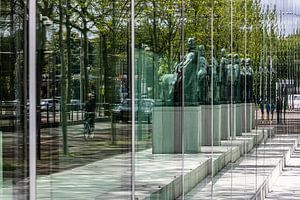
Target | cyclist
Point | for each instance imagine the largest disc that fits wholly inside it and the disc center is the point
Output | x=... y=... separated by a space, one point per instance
x=90 y=107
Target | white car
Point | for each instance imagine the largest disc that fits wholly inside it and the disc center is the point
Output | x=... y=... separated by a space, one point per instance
x=297 y=101
x=294 y=101
x=47 y=104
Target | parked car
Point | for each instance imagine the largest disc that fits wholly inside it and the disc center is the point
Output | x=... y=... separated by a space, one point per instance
x=75 y=104
x=294 y=101
x=48 y=104
x=144 y=110
x=8 y=109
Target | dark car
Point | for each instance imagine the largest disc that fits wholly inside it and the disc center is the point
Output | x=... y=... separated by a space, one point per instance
x=48 y=104
x=75 y=104
x=143 y=107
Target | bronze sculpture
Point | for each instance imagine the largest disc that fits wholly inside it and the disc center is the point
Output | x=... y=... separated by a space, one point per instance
x=243 y=85
x=201 y=75
x=223 y=76
x=229 y=78
x=214 y=74
x=236 y=79
x=249 y=80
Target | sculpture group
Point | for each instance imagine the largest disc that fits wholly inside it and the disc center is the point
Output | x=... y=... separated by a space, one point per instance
x=229 y=81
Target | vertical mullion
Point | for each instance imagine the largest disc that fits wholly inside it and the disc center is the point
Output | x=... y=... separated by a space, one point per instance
x=132 y=103
x=32 y=99
x=182 y=106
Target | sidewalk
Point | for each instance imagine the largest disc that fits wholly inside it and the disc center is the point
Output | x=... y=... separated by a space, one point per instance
x=81 y=151
x=157 y=176
x=250 y=175
x=111 y=178
x=287 y=186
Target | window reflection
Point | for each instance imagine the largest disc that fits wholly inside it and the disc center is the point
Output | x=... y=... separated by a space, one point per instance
x=208 y=90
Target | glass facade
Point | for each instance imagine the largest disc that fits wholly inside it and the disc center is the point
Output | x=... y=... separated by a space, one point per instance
x=149 y=99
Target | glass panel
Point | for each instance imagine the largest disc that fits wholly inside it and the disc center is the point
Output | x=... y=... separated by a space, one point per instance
x=249 y=62
x=159 y=90
x=13 y=100
x=199 y=112
x=199 y=104
x=256 y=35
x=84 y=141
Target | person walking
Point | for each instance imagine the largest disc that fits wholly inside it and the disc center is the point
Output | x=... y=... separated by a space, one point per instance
x=272 y=110
x=262 y=109
x=278 y=109
x=268 y=110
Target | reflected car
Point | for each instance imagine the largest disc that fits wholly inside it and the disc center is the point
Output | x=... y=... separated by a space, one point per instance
x=296 y=101
x=75 y=104
x=144 y=110
x=8 y=109
x=48 y=104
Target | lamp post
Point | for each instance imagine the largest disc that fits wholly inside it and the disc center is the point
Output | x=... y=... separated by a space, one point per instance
x=261 y=99
x=261 y=70
x=44 y=23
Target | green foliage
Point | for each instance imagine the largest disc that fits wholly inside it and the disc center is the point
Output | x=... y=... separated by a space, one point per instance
x=164 y=68
x=243 y=27
x=9 y=166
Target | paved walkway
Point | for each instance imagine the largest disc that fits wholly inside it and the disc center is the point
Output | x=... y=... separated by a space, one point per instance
x=242 y=179
x=110 y=178
x=287 y=186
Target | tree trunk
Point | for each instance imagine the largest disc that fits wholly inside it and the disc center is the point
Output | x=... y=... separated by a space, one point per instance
x=98 y=72
x=69 y=55
x=155 y=89
x=63 y=81
x=106 y=71
x=85 y=62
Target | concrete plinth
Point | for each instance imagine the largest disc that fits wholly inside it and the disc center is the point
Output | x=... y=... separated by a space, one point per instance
x=167 y=131
x=204 y=125
x=211 y=125
x=192 y=123
x=232 y=117
x=238 y=119
x=244 y=117
x=248 y=117
x=225 y=120
x=252 y=116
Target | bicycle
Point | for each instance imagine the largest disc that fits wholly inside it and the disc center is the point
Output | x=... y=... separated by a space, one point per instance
x=88 y=128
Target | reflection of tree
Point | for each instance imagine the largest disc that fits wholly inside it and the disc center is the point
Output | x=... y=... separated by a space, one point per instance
x=64 y=92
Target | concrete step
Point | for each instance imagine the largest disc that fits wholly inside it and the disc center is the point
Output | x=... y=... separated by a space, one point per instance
x=229 y=151
x=287 y=186
x=157 y=176
x=251 y=176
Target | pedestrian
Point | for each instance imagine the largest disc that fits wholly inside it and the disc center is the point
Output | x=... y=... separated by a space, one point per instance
x=268 y=110
x=262 y=109
x=285 y=105
x=272 y=110
x=278 y=109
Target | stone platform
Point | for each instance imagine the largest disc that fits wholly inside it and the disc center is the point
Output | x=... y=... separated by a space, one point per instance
x=157 y=176
x=232 y=166
x=251 y=176
x=287 y=186
x=197 y=126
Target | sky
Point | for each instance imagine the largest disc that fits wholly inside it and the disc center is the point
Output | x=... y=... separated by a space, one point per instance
x=291 y=13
